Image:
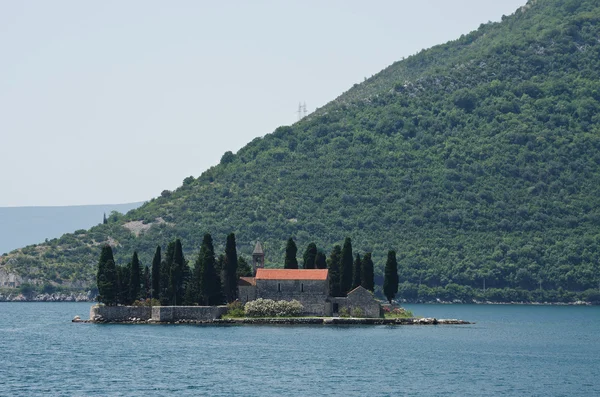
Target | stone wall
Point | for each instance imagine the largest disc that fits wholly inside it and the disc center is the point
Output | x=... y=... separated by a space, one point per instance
x=358 y=303
x=312 y=294
x=246 y=293
x=120 y=313
x=197 y=313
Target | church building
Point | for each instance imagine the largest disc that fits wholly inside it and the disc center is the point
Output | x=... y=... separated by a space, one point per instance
x=308 y=286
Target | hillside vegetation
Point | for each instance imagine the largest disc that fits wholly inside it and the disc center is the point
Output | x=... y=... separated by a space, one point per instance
x=478 y=161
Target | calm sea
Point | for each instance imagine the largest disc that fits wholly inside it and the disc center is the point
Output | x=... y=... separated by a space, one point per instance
x=511 y=351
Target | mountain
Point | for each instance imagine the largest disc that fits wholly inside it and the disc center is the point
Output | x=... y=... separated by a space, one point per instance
x=477 y=161
x=20 y=226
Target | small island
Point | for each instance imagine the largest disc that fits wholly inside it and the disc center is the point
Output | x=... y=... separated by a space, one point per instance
x=268 y=296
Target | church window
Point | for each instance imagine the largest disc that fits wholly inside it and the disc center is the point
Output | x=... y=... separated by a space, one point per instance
x=302 y=287
x=278 y=287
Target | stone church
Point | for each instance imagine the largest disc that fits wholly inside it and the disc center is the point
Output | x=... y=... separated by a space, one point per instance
x=308 y=286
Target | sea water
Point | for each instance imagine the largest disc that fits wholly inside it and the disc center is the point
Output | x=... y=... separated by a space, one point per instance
x=510 y=351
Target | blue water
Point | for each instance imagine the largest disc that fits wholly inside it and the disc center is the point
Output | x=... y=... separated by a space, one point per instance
x=511 y=351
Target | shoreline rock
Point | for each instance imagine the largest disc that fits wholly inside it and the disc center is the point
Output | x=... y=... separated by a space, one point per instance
x=289 y=321
x=55 y=297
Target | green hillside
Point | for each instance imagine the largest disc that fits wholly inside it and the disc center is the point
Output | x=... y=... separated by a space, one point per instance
x=478 y=161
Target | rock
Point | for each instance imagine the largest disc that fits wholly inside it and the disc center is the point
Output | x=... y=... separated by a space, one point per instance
x=76 y=319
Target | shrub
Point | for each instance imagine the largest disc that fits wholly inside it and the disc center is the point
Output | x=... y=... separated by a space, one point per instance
x=235 y=309
x=270 y=308
x=358 y=312
x=396 y=312
x=146 y=302
x=344 y=312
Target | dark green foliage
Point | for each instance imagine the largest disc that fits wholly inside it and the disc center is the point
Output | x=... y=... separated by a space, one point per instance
x=177 y=280
x=367 y=273
x=290 y=255
x=321 y=260
x=123 y=278
x=135 y=279
x=477 y=160
x=310 y=256
x=334 y=263
x=107 y=277
x=156 y=260
x=357 y=272
x=230 y=268
x=390 y=277
x=346 y=267
x=165 y=295
x=210 y=282
x=146 y=283
x=244 y=269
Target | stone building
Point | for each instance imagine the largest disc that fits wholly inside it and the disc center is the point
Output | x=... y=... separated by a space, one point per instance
x=308 y=286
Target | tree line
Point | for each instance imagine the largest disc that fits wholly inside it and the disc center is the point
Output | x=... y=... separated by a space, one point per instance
x=346 y=270
x=213 y=280
x=170 y=279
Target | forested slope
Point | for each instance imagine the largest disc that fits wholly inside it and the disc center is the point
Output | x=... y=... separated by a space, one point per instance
x=477 y=161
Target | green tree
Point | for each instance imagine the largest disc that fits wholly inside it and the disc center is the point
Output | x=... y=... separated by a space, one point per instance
x=357 y=272
x=155 y=293
x=390 y=278
x=244 y=269
x=165 y=276
x=368 y=273
x=146 y=283
x=290 y=255
x=321 y=260
x=178 y=273
x=310 y=256
x=210 y=282
x=334 y=263
x=134 y=278
x=123 y=277
x=230 y=268
x=346 y=267
x=106 y=277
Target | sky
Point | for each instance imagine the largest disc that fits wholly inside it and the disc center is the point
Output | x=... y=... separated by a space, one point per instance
x=115 y=101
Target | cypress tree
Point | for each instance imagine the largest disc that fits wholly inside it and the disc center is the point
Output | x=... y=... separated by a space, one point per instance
x=177 y=276
x=134 y=279
x=244 y=269
x=368 y=273
x=390 y=278
x=346 y=267
x=112 y=294
x=210 y=282
x=146 y=283
x=310 y=256
x=230 y=268
x=104 y=220
x=321 y=260
x=155 y=293
x=356 y=274
x=106 y=277
x=165 y=275
x=106 y=282
x=123 y=276
x=334 y=262
x=290 y=255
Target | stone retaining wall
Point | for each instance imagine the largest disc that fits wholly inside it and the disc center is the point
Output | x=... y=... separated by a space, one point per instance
x=120 y=313
x=168 y=314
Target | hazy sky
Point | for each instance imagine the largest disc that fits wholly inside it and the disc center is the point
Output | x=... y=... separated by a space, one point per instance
x=115 y=101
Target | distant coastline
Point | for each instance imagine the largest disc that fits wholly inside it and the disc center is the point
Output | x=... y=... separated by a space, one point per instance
x=89 y=297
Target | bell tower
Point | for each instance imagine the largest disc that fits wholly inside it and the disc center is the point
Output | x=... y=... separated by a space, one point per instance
x=258 y=257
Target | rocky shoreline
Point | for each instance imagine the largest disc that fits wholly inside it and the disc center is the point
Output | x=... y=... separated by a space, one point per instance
x=56 y=297
x=289 y=321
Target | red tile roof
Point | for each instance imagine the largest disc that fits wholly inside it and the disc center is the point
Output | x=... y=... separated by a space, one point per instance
x=291 y=274
x=247 y=281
